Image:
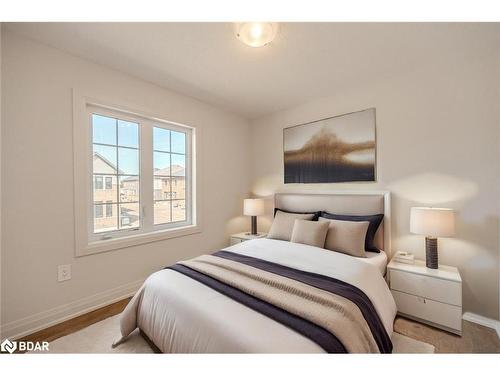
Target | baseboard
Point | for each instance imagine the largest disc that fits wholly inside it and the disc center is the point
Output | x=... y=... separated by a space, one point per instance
x=482 y=320
x=36 y=322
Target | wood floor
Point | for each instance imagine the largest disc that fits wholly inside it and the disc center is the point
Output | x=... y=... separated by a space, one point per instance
x=78 y=323
x=475 y=338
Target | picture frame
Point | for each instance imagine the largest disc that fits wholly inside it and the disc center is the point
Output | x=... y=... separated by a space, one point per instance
x=332 y=150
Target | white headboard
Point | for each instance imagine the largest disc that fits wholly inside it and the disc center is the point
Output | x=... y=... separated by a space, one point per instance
x=344 y=203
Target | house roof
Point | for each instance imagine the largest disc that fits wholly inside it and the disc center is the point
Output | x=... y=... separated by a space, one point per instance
x=177 y=171
x=111 y=165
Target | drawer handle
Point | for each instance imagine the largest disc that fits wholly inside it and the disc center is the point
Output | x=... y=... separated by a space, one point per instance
x=420 y=299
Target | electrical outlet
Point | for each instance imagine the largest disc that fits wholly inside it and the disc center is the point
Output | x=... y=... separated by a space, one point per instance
x=63 y=272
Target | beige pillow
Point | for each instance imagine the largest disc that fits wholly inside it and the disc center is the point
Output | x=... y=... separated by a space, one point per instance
x=282 y=226
x=346 y=237
x=310 y=232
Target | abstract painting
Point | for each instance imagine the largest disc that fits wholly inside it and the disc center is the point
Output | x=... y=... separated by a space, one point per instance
x=336 y=149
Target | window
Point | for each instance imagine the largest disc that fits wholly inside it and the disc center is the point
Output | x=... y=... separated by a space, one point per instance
x=98 y=182
x=109 y=209
x=109 y=183
x=98 y=210
x=142 y=173
x=115 y=155
x=169 y=164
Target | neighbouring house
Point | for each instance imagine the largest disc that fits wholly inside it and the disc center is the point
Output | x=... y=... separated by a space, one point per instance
x=117 y=196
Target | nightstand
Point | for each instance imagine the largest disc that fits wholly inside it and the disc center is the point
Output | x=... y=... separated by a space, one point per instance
x=431 y=296
x=244 y=236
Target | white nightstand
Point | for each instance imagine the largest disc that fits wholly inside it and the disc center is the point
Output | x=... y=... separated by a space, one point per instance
x=431 y=296
x=245 y=236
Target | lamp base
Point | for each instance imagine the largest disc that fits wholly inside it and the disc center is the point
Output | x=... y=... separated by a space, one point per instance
x=431 y=252
x=253 y=231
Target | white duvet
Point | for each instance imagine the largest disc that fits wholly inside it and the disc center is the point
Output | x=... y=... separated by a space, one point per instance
x=181 y=315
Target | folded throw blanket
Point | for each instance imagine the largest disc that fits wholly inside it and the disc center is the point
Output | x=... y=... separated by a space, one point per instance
x=337 y=316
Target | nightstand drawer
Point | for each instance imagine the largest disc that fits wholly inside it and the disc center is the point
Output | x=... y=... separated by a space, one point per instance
x=432 y=311
x=440 y=290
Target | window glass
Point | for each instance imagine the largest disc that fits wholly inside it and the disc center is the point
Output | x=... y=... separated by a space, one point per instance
x=178 y=142
x=161 y=139
x=117 y=166
x=109 y=183
x=109 y=209
x=170 y=177
x=162 y=212
x=103 y=129
x=115 y=154
x=98 y=182
x=98 y=210
x=128 y=134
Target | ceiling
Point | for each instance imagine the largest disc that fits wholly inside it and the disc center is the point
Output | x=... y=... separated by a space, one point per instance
x=306 y=60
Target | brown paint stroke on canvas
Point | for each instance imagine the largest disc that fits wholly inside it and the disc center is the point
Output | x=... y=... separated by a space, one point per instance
x=323 y=159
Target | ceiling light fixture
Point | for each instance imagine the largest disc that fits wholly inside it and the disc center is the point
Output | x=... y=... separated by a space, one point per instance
x=256 y=34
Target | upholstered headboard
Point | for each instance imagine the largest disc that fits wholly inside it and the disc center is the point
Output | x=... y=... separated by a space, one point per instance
x=344 y=203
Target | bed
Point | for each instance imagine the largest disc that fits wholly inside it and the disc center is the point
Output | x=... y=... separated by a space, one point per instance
x=180 y=314
x=378 y=260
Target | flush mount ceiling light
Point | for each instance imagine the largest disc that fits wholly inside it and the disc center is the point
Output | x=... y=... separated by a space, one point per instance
x=256 y=34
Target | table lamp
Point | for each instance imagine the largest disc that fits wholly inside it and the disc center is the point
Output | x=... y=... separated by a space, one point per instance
x=253 y=208
x=433 y=223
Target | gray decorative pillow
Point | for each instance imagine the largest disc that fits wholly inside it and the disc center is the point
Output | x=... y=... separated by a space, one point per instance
x=310 y=232
x=346 y=237
x=282 y=226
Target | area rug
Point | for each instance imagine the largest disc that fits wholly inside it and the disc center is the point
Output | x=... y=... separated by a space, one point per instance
x=98 y=337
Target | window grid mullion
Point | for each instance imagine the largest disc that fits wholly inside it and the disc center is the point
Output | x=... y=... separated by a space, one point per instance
x=147 y=175
x=118 y=207
x=168 y=152
x=97 y=203
x=167 y=200
x=170 y=173
x=117 y=145
x=187 y=206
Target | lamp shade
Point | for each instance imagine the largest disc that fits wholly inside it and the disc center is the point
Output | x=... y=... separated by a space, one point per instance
x=432 y=222
x=253 y=207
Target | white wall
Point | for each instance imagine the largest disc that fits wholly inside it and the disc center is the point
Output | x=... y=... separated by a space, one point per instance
x=38 y=212
x=437 y=144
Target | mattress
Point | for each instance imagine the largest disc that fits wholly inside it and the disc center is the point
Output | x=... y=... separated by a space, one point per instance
x=181 y=315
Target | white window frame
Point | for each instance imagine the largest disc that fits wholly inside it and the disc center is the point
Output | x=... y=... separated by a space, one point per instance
x=87 y=242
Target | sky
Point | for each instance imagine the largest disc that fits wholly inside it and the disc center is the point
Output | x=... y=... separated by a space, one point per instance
x=111 y=133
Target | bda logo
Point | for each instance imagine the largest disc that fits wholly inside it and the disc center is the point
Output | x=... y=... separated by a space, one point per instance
x=8 y=346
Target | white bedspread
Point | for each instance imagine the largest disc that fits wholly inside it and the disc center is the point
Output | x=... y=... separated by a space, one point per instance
x=379 y=260
x=181 y=315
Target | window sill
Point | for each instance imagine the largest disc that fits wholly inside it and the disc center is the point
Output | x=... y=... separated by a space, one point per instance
x=135 y=240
